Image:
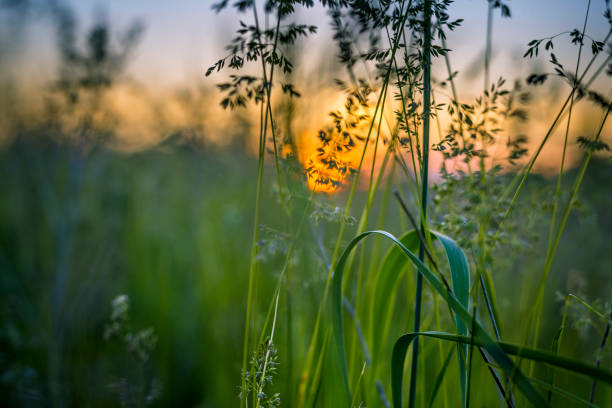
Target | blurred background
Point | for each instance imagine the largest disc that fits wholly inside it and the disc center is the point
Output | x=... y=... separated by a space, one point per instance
x=127 y=194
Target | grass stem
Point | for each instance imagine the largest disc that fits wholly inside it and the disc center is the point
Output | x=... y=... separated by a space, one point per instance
x=424 y=177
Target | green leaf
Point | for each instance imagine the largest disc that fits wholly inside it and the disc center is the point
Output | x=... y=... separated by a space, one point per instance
x=480 y=334
x=562 y=392
x=541 y=356
x=386 y=281
x=460 y=276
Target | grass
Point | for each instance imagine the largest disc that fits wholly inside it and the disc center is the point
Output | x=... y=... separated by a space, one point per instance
x=331 y=304
x=161 y=250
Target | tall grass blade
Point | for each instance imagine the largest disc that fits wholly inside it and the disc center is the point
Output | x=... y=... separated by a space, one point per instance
x=460 y=280
x=536 y=355
x=480 y=335
x=562 y=392
x=427 y=11
x=388 y=276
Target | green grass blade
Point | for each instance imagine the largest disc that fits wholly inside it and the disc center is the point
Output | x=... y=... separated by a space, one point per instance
x=460 y=276
x=315 y=384
x=480 y=335
x=541 y=356
x=388 y=275
x=563 y=393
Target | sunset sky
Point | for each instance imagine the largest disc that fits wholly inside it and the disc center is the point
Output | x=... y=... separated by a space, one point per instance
x=183 y=38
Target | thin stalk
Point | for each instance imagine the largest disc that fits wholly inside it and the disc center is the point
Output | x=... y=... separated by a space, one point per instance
x=590 y=308
x=373 y=186
x=394 y=133
x=315 y=336
x=253 y=264
x=567 y=128
x=354 y=401
x=482 y=226
x=488 y=300
x=509 y=397
x=372 y=189
x=269 y=349
x=289 y=340
x=555 y=245
x=315 y=387
x=375 y=258
x=489 y=310
x=562 y=392
x=406 y=120
x=268 y=89
x=471 y=355
x=448 y=287
x=557 y=345
x=425 y=174
x=285 y=274
x=487 y=58
x=289 y=321
x=559 y=180
x=598 y=363
x=316 y=329
x=419 y=233
x=522 y=176
x=565 y=216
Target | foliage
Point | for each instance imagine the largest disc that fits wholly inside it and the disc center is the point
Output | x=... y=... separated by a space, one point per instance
x=322 y=320
x=264 y=366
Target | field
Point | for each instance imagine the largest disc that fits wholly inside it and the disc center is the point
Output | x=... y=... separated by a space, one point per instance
x=411 y=250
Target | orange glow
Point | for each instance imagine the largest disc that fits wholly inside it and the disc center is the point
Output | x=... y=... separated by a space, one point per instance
x=327 y=169
x=330 y=152
x=142 y=117
x=322 y=178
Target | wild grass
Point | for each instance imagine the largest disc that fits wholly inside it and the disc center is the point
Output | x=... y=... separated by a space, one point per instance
x=367 y=285
x=482 y=122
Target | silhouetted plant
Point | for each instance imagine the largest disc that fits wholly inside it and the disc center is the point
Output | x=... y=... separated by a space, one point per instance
x=86 y=73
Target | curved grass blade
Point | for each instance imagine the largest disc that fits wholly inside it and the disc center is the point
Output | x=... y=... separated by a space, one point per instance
x=563 y=393
x=576 y=367
x=480 y=335
x=388 y=276
x=460 y=279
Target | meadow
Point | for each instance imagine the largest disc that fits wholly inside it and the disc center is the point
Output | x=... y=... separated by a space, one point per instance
x=343 y=272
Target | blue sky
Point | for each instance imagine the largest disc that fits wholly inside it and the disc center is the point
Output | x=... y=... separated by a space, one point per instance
x=185 y=36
